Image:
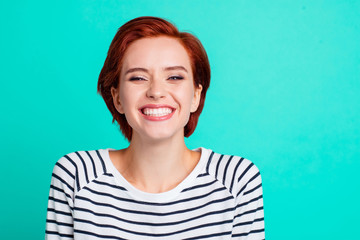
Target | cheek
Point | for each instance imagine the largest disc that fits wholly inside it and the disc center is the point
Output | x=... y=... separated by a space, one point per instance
x=186 y=96
x=129 y=95
x=125 y=100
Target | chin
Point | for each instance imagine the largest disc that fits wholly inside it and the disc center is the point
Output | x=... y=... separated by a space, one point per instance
x=161 y=134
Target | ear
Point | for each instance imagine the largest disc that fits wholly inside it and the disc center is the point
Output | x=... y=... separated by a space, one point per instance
x=116 y=100
x=196 y=99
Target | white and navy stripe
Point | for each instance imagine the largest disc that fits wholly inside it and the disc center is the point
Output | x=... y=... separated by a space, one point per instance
x=220 y=199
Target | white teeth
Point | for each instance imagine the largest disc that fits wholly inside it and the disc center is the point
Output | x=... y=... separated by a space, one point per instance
x=157 y=112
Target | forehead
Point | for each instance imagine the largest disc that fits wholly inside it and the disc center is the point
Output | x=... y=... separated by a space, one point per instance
x=156 y=52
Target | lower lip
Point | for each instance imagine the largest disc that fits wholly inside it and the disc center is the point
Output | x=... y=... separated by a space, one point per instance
x=160 y=118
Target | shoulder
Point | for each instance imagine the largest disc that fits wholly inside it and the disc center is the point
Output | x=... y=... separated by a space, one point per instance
x=234 y=172
x=80 y=167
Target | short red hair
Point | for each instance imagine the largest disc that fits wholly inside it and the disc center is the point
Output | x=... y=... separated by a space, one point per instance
x=144 y=27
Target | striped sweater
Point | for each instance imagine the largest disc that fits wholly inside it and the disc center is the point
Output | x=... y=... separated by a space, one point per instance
x=89 y=199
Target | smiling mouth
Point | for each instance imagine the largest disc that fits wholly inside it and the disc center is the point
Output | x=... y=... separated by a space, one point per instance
x=157 y=112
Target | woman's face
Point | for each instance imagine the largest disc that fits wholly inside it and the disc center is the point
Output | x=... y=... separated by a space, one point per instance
x=156 y=91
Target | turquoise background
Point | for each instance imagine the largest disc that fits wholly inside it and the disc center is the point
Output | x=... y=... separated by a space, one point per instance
x=285 y=93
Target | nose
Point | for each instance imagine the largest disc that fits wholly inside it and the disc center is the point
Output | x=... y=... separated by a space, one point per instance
x=155 y=90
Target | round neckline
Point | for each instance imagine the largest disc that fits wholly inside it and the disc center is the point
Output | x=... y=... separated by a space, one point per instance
x=156 y=197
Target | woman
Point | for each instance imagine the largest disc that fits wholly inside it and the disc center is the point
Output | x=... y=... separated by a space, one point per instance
x=154 y=81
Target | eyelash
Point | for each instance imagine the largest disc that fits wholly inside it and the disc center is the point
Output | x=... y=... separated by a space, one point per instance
x=176 y=78
x=143 y=79
x=137 y=79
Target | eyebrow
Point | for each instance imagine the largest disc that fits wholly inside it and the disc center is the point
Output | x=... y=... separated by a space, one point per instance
x=175 y=68
x=138 y=69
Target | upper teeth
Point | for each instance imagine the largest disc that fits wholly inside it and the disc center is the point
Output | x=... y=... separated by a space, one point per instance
x=157 y=112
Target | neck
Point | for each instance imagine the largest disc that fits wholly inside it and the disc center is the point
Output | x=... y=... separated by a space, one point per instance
x=157 y=166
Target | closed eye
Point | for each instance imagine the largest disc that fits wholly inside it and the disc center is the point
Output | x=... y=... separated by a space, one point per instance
x=176 y=77
x=137 y=79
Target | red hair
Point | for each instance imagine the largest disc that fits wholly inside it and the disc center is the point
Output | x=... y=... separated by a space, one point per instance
x=144 y=27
